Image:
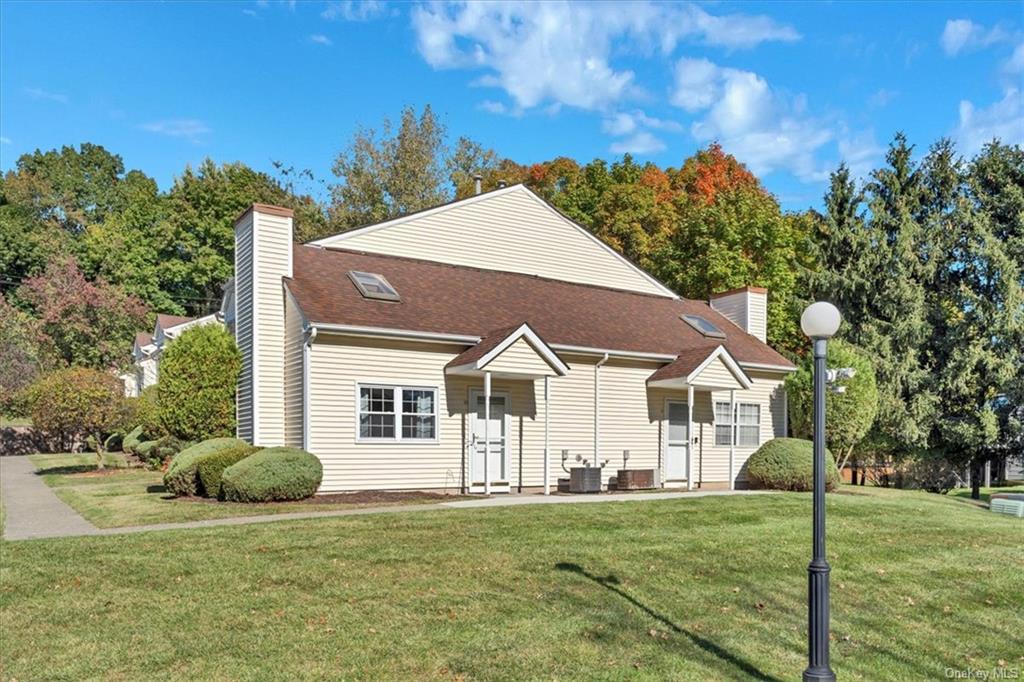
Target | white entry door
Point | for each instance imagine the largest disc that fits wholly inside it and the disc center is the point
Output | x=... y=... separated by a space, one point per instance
x=498 y=434
x=677 y=442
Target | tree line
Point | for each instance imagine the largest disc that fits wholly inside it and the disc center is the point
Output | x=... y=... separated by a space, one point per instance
x=924 y=256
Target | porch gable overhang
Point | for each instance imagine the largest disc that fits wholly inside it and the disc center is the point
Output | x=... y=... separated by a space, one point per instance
x=512 y=352
x=702 y=368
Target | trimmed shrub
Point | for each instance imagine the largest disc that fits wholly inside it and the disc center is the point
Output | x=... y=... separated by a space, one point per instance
x=274 y=474
x=788 y=464
x=182 y=478
x=198 y=375
x=114 y=442
x=211 y=467
x=144 y=449
x=131 y=441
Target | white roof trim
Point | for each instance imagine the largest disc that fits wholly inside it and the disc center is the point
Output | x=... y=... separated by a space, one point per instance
x=522 y=332
x=412 y=335
x=774 y=368
x=730 y=363
x=333 y=241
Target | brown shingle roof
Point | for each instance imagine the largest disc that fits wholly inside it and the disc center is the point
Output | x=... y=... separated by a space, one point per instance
x=143 y=339
x=489 y=341
x=687 y=361
x=167 y=321
x=453 y=299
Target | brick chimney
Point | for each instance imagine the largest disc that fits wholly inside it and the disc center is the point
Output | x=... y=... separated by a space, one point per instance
x=746 y=307
x=263 y=256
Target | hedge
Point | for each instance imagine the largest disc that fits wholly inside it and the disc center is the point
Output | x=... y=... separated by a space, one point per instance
x=788 y=464
x=272 y=475
x=182 y=478
x=210 y=467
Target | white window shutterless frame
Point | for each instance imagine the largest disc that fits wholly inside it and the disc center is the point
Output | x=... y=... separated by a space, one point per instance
x=389 y=414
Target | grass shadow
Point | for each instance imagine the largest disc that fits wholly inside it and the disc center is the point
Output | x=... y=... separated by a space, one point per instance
x=611 y=583
x=71 y=469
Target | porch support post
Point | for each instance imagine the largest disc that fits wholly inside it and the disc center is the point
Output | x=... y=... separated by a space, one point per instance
x=732 y=440
x=547 y=433
x=689 y=438
x=487 y=433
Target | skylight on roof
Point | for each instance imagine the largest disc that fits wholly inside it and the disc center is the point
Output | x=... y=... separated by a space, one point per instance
x=372 y=285
x=703 y=326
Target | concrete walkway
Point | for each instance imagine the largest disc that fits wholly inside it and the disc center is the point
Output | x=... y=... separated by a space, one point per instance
x=33 y=511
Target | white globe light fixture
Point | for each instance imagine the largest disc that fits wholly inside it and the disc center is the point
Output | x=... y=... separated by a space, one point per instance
x=820 y=320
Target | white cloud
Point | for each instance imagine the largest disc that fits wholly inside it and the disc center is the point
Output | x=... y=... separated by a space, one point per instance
x=39 y=93
x=561 y=52
x=881 y=98
x=1014 y=66
x=320 y=39
x=642 y=142
x=1003 y=120
x=5 y=140
x=250 y=13
x=765 y=129
x=188 y=128
x=354 y=10
x=964 y=34
x=493 y=107
x=860 y=152
x=624 y=123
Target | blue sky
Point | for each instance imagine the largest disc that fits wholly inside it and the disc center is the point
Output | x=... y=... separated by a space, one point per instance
x=789 y=88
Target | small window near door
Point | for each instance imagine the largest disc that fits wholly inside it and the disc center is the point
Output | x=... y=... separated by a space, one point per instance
x=397 y=413
x=723 y=424
x=749 y=425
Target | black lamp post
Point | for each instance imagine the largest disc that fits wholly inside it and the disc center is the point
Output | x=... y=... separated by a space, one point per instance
x=820 y=321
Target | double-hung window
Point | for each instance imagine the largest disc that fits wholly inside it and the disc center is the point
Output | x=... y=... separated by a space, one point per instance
x=723 y=424
x=746 y=425
x=397 y=413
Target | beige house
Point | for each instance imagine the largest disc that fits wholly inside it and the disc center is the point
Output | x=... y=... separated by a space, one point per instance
x=482 y=344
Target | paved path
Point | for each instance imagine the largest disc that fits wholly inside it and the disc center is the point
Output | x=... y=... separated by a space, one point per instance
x=33 y=511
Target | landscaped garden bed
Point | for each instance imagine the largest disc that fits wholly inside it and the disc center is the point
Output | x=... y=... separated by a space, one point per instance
x=127 y=495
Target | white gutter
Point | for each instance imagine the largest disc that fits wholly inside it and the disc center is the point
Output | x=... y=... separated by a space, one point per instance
x=597 y=408
x=638 y=355
x=774 y=368
x=351 y=330
x=306 y=349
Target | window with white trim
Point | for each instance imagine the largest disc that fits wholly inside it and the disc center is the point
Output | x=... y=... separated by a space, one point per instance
x=723 y=424
x=402 y=413
x=748 y=425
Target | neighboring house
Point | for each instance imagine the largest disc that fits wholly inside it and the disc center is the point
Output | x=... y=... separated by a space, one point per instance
x=148 y=349
x=473 y=345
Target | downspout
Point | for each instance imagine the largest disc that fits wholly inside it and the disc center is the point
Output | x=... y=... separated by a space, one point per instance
x=597 y=408
x=306 y=349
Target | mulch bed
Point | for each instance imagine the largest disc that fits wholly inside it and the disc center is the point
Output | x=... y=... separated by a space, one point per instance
x=362 y=498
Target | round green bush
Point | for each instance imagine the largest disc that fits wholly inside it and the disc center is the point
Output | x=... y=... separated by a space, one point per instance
x=271 y=475
x=788 y=464
x=182 y=478
x=210 y=467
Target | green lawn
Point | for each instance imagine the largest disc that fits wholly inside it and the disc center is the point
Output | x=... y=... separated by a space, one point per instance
x=986 y=493
x=706 y=588
x=136 y=496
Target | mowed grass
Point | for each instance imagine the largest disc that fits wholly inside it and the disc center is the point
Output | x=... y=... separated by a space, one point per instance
x=985 y=494
x=132 y=496
x=706 y=588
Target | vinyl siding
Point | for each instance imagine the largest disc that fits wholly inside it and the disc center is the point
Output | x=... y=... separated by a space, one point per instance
x=293 y=373
x=711 y=462
x=733 y=308
x=512 y=231
x=631 y=417
x=757 y=315
x=520 y=358
x=274 y=262
x=717 y=375
x=244 y=325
